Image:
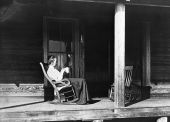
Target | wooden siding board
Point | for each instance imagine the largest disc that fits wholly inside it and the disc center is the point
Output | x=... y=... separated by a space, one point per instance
x=160 y=51
x=21 y=51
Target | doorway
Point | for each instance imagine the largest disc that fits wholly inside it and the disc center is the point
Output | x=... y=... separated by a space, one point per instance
x=62 y=39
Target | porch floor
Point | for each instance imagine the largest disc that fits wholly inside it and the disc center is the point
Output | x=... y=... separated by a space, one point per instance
x=12 y=104
x=35 y=109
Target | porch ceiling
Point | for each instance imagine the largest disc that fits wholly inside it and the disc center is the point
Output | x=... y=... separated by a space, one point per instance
x=131 y=2
x=90 y=12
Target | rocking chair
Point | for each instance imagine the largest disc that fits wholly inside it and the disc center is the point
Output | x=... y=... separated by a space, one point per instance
x=67 y=92
x=131 y=94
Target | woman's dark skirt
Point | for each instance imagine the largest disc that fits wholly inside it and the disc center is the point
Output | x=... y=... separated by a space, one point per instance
x=81 y=90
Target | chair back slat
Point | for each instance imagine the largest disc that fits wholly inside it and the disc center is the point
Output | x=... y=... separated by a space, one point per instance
x=45 y=74
x=128 y=75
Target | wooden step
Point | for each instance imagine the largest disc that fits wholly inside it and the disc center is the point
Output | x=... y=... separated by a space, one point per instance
x=160 y=92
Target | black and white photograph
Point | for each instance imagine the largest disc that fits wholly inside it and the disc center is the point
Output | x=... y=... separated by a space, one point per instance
x=85 y=60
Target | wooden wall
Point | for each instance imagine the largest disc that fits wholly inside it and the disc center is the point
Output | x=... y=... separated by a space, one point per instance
x=21 y=42
x=160 y=51
x=20 y=52
x=160 y=37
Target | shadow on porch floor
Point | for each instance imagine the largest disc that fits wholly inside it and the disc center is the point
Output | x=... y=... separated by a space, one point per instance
x=37 y=104
x=34 y=108
x=33 y=103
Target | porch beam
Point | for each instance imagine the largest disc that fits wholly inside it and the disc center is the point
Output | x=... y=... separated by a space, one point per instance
x=119 y=53
x=154 y=3
x=146 y=55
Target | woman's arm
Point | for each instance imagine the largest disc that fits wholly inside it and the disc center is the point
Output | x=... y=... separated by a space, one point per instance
x=59 y=82
x=62 y=72
x=64 y=82
x=66 y=69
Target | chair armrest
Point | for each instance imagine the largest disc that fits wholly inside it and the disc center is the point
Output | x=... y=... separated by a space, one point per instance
x=66 y=81
x=59 y=84
x=53 y=84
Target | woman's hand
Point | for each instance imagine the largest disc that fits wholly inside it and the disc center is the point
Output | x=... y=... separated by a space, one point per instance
x=66 y=69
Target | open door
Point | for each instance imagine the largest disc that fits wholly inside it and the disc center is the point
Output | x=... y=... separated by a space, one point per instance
x=62 y=39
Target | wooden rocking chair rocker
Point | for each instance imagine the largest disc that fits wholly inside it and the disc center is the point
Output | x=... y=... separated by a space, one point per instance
x=67 y=91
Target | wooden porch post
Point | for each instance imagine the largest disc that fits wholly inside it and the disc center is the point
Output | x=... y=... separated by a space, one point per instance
x=119 y=53
x=45 y=45
x=146 y=56
x=162 y=119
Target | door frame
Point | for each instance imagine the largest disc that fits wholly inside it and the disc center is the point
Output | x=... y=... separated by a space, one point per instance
x=78 y=45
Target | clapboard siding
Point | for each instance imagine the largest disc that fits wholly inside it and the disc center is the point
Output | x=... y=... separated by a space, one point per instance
x=160 y=73
x=160 y=52
x=21 y=51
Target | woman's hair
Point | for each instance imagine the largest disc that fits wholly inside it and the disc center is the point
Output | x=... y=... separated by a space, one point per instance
x=51 y=59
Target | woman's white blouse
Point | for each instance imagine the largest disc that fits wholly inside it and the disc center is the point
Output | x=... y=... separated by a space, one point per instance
x=54 y=74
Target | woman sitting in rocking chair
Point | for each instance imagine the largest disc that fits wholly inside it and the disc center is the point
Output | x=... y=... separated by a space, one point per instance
x=79 y=84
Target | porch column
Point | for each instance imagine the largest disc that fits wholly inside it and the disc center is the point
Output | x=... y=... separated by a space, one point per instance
x=45 y=45
x=146 y=56
x=119 y=53
x=162 y=119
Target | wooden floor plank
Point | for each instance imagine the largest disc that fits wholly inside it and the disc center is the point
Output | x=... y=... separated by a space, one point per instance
x=100 y=110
